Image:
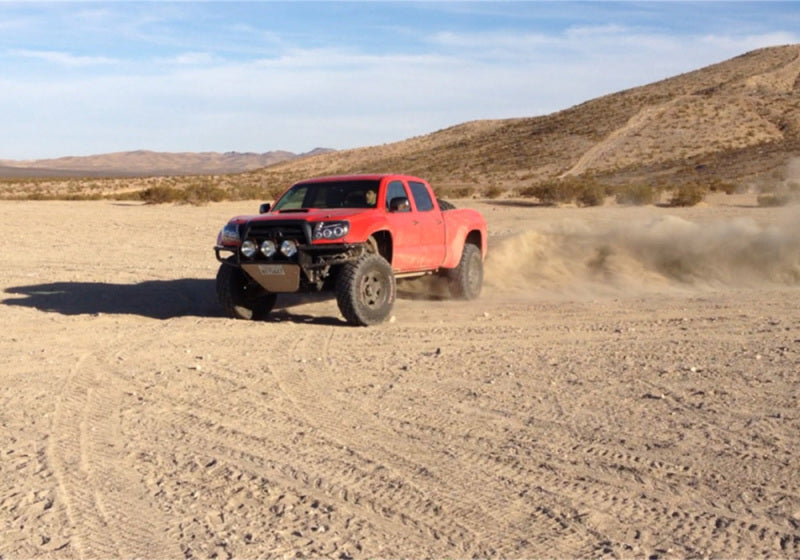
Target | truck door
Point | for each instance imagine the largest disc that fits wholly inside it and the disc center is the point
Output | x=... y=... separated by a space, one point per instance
x=405 y=236
x=430 y=224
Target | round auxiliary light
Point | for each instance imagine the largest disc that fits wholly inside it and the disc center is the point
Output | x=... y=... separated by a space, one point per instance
x=268 y=248
x=249 y=248
x=289 y=248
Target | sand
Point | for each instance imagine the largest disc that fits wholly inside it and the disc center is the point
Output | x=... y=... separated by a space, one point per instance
x=626 y=386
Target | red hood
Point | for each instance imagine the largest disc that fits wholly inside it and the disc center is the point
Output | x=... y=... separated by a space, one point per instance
x=310 y=215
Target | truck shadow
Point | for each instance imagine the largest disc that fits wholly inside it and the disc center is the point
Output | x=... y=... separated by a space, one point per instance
x=156 y=299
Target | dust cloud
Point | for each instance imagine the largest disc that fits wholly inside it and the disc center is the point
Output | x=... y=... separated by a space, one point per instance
x=649 y=253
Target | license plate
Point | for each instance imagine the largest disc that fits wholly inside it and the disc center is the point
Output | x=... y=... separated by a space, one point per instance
x=271 y=269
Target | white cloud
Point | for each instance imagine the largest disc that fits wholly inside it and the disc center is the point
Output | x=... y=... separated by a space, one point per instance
x=62 y=58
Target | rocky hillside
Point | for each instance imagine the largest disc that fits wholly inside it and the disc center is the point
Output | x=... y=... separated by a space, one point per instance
x=734 y=121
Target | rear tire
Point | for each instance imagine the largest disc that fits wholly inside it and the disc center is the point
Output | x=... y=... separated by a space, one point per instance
x=466 y=280
x=240 y=296
x=366 y=290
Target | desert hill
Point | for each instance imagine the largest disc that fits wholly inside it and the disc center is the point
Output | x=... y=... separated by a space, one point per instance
x=736 y=122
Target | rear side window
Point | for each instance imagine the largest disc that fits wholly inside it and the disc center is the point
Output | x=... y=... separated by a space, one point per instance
x=421 y=195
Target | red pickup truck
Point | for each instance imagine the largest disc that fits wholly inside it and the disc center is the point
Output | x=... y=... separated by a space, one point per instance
x=352 y=235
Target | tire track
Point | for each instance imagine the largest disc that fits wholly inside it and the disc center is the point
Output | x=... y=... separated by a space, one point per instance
x=84 y=451
x=205 y=424
x=485 y=517
x=561 y=494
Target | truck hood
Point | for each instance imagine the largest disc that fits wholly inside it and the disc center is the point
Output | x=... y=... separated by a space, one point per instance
x=309 y=215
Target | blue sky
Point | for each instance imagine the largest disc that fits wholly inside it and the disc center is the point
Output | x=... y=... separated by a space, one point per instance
x=88 y=78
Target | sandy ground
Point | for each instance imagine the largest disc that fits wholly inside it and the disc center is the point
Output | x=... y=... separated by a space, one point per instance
x=627 y=386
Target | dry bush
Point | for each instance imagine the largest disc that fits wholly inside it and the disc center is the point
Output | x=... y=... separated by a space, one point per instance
x=203 y=193
x=584 y=191
x=493 y=191
x=593 y=194
x=688 y=194
x=160 y=194
x=715 y=184
x=637 y=194
x=547 y=192
x=463 y=192
x=773 y=199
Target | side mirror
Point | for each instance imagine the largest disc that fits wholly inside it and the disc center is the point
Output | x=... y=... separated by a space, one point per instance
x=264 y=208
x=399 y=204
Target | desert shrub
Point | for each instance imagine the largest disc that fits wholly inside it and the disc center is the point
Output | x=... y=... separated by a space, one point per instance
x=584 y=191
x=593 y=194
x=549 y=192
x=126 y=195
x=688 y=194
x=462 y=192
x=159 y=194
x=203 y=193
x=493 y=191
x=773 y=199
x=527 y=191
x=638 y=194
x=718 y=185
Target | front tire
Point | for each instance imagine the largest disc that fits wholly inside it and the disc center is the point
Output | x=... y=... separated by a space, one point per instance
x=366 y=290
x=466 y=280
x=240 y=296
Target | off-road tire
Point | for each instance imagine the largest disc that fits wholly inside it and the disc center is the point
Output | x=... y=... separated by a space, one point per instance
x=445 y=205
x=366 y=290
x=242 y=297
x=466 y=279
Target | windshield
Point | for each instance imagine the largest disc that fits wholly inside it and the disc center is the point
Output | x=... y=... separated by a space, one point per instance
x=360 y=193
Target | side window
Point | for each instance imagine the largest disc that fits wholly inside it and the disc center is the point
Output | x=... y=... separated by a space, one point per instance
x=394 y=189
x=421 y=196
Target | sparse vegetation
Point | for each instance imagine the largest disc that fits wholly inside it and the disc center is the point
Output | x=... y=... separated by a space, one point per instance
x=580 y=190
x=773 y=199
x=493 y=191
x=637 y=194
x=688 y=194
x=592 y=194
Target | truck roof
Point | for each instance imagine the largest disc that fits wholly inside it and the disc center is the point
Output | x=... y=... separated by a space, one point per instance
x=361 y=177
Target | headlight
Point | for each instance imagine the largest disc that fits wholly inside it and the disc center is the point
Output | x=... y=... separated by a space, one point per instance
x=289 y=248
x=331 y=230
x=268 y=248
x=249 y=248
x=229 y=234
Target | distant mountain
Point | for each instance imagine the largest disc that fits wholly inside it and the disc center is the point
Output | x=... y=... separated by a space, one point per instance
x=147 y=163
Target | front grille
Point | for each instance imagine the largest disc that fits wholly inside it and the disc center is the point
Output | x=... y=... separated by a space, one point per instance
x=278 y=230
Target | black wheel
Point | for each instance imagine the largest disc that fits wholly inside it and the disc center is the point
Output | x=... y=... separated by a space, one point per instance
x=242 y=297
x=446 y=205
x=365 y=290
x=466 y=280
